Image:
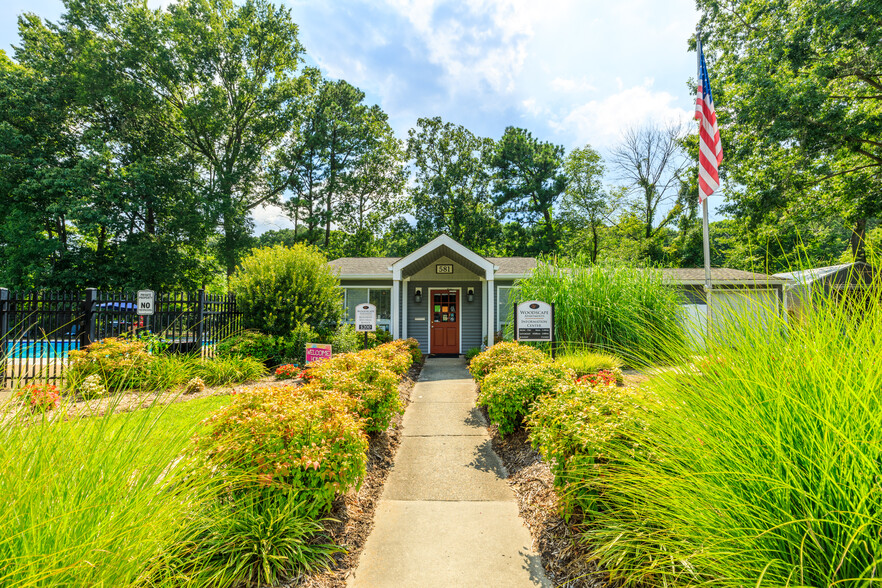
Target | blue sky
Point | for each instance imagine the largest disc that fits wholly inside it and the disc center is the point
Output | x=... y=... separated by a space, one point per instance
x=571 y=71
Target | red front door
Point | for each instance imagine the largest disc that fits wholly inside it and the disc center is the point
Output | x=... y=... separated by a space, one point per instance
x=445 y=321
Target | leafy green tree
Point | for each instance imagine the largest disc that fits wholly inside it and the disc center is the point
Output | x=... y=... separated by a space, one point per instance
x=344 y=166
x=278 y=288
x=230 y=78
x=586 y=205
x=799 y=92
x=451 y=187
x=529 y=180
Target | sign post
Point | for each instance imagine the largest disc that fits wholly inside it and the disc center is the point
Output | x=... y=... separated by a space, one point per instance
x=534 y=321
x=365 y=320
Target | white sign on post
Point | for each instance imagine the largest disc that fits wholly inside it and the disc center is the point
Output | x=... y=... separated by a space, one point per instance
x=534 y=321
x=365 y=318
x=146 y=302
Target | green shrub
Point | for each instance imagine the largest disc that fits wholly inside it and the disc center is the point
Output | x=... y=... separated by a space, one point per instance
x=118 y=362
x=587 y=362
x=472 y=353
x=345 y=339
x=415 y=351
x=292 y=347
x=256 y=537
x=759 y=466
x=299 y=439
x=623 y=310
x=573 y=429
x=278 y=288
x=254 y=344
x=502 y=354
x=509 y=391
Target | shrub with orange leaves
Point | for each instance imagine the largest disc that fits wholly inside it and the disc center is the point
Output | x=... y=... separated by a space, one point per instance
x=303 y=439
x=364 y=377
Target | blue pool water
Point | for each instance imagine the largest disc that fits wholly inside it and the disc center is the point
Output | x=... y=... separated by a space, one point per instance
x=48 y=349
x=45 y=349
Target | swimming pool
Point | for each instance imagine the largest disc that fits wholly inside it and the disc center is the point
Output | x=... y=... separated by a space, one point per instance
x=45 y=349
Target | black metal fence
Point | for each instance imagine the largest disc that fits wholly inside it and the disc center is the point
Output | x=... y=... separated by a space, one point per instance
x=38 y=329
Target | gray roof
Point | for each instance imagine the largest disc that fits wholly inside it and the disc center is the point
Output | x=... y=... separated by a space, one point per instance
x=364 y=266
x=514 y=265
x=379 y=266
x=818 y=273
x=695 y=275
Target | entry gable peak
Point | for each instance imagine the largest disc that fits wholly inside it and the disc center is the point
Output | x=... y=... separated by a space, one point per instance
x=444 y=241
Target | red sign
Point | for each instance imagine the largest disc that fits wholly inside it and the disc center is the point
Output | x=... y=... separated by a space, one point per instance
x=316 y=351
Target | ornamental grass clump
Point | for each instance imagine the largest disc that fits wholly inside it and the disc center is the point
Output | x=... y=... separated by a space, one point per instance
x=759 y=465
x=503 y=354
x=626 y=311
x=510 y=391
x=301 y=440
x=585 y=362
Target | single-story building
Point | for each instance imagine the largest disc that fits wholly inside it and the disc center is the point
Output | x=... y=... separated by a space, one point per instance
x=444 y=295
x=847 y=279
x=451 y=299
x=733 y=292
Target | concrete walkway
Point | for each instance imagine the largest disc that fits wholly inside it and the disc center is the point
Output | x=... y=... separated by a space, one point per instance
x=447 y=518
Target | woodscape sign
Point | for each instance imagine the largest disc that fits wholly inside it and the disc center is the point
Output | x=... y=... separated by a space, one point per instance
x=365 y=318
x=534 y=321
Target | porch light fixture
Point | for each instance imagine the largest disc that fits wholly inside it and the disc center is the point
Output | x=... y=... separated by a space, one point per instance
x=471 y=294
x=418 y=295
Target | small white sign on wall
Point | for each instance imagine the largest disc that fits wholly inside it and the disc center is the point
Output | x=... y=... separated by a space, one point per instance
x=365 y=318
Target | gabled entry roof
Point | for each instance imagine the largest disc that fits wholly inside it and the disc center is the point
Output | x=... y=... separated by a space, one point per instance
x=401 y=267
x=442 y=246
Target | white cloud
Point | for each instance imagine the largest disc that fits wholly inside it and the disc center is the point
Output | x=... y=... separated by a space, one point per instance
x=476 y=42
x=601 y=122
x=572 y=85
x=269 y=218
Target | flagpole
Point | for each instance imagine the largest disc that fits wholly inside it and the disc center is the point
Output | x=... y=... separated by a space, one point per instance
x=708 y=287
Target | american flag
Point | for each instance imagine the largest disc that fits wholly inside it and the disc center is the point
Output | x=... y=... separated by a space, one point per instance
x=710 y=148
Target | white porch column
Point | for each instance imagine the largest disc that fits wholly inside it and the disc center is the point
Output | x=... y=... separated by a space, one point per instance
x=396 y=301
x=491 y=308
x=404 y=310
x=484 y=314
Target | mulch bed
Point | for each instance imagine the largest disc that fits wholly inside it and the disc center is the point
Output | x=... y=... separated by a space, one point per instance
x=353 y=513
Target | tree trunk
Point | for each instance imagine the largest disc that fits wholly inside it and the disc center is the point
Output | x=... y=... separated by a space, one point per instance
x=858 y=240
x=595 y=242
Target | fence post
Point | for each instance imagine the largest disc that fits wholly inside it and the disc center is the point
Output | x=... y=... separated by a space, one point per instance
x=200 y=320
x=4 y=333
x=88 y=334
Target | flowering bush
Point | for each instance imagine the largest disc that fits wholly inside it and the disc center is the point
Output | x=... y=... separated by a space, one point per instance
x=502 y=354
x=40 y=398
x=397 y=355
x=509 y=392
x=287 y=371
x=92 y=387
x=194 y=386
x=119 y=363
x=603 y=377
x=364 y=377
x=305 y=440
x=575 y=426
